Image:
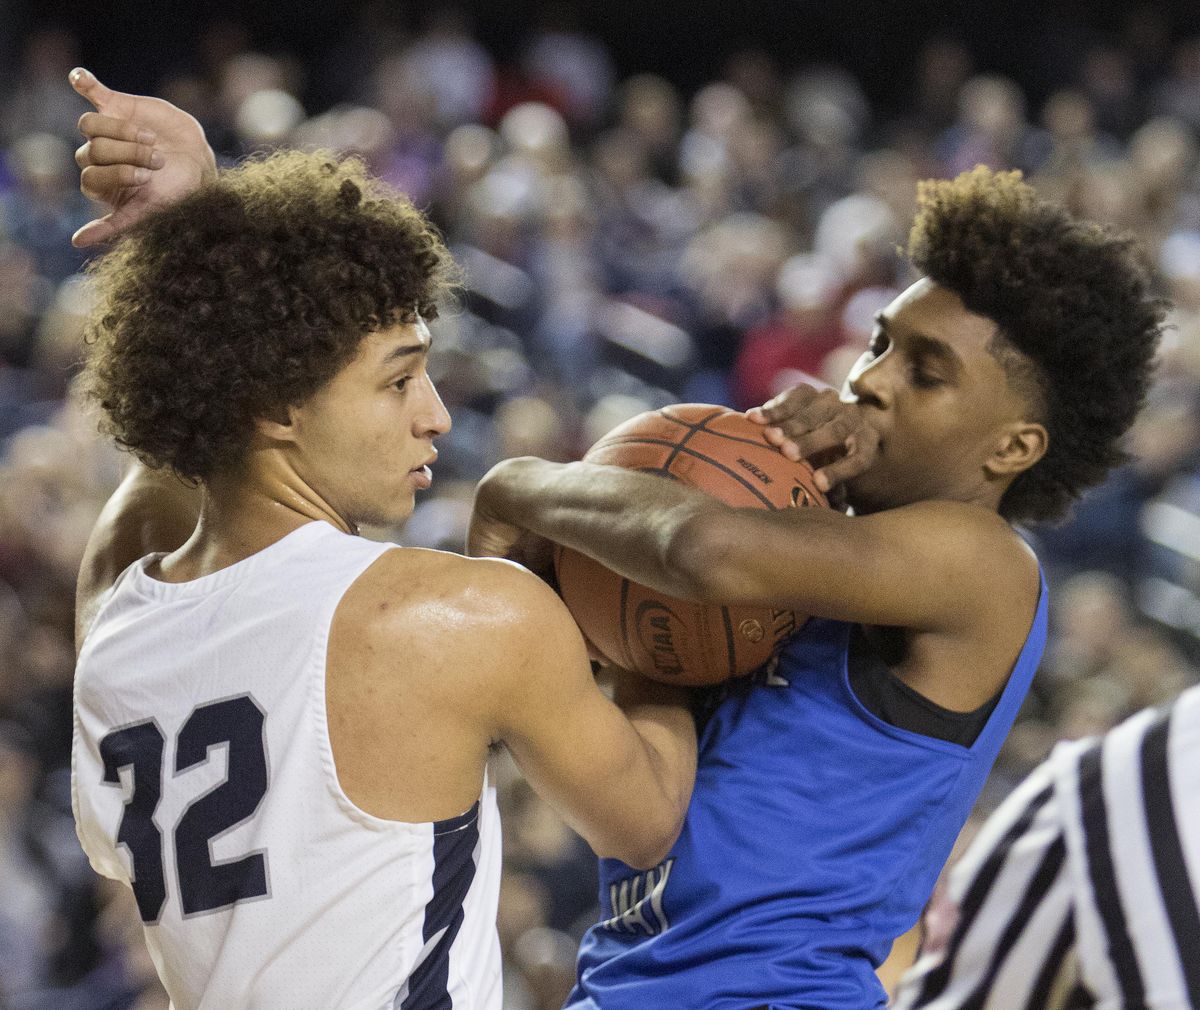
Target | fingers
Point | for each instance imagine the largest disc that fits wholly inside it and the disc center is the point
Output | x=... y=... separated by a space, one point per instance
x=94 y=232
x=815 y=424
x=805 y=400
x=802 y=421
x=96 y=124
x=104 y=182
x=860 y=453
x=833 y=434
x=103 y=151
x=87 y=84
x=103 y=98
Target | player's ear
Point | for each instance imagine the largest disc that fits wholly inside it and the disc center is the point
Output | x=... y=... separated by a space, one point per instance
x=278 y=426
x=1019 y=447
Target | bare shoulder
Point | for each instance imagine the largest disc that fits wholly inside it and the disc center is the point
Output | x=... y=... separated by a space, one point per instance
x=423 y=662
x=966 y=562
x=412 y=597
x=994 y=584
x=964 y=536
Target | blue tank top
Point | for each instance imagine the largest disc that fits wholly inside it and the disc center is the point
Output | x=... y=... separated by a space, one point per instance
x=814 y=837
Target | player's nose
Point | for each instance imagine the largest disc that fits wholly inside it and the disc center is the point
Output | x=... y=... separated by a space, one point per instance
x=435 y=420
x=870 y=385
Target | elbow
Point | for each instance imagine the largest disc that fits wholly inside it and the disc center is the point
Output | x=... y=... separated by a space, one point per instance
x=656 y=850
x=647 y=847
x=648 y=841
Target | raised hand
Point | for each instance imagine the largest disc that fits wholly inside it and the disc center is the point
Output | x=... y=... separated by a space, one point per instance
x=817 y=425
x=141 y=154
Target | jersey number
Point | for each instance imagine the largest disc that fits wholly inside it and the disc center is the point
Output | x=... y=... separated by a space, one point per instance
x=204 y=885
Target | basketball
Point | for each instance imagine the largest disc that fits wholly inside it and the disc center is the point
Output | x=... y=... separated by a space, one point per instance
x=718 y=451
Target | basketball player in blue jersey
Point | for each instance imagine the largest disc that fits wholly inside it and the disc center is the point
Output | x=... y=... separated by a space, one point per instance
x=831 y=787
x=281 y=728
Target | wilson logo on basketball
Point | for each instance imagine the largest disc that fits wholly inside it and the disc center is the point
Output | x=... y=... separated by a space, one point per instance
x=654 y=621
x=745 y=464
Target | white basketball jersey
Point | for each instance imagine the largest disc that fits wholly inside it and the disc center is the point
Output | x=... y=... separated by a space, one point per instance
x=203 y=776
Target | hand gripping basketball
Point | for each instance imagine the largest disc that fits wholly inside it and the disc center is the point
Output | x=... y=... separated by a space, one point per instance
x=727 y=455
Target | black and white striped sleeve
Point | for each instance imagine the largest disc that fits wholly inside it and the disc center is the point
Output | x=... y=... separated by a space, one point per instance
x=1082 y=889
x=1013 y=937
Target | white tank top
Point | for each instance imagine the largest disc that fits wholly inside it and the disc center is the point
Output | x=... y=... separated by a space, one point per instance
x=203 y=776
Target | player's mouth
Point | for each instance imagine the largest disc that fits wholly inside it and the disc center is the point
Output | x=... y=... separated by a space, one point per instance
x=422 y=475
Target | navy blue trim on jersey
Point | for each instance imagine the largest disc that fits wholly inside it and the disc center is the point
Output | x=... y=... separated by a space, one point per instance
x=454 y=843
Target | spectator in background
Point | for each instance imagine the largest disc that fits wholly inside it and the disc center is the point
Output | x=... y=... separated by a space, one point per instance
x=1178 y=95
x=651 y=111
x=457 y=70
x=797 y=338
x=28 y=895
x=44 y=209
x=37 y=103
x=571 y=65
x=990 y=128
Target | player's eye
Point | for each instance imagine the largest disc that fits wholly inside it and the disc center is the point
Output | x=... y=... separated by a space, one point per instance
x=925 y=379
x=879 y=343
x=401 y=384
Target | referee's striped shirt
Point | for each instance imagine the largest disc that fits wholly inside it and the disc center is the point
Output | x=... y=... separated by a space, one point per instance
x=1081 y=890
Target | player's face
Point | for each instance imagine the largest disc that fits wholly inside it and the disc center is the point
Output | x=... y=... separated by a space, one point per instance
x=938 y=397
x=364 y=440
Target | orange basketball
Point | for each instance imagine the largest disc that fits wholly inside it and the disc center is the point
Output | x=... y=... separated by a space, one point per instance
x=719 y=451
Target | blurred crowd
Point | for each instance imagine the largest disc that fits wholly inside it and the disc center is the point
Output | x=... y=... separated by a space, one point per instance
x=624 y=246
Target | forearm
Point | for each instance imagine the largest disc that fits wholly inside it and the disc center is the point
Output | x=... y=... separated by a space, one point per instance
x=651 y=787
x=662 y=716
x=637 y=524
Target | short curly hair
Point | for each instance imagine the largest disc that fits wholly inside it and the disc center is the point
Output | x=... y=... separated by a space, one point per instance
x=246 y=297
x=1078 y=321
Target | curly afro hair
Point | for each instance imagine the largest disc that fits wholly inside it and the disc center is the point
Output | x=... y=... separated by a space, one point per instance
x=1071 y=297
x=245 y=297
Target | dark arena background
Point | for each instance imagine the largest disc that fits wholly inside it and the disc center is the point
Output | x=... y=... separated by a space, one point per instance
x=653 y=203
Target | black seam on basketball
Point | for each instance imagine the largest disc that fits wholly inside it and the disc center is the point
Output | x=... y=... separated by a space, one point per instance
x=638 y=440
x=680 y=447
x=761 y=443
x=691 y=431
x=736 y=476
x=729 y=642
x=694 y=426
x=645 y=440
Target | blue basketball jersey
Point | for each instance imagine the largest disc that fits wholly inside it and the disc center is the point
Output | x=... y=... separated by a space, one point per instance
x=814 y=838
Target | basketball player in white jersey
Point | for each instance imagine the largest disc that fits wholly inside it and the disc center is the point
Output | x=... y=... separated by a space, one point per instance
x=281 y=728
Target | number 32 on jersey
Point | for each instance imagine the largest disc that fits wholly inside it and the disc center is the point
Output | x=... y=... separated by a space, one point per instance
x=204 y=885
